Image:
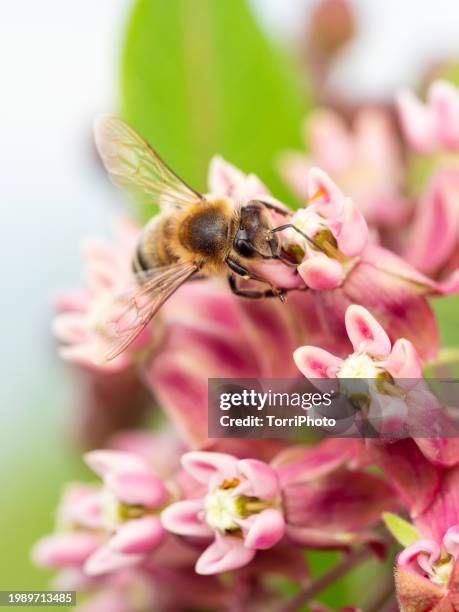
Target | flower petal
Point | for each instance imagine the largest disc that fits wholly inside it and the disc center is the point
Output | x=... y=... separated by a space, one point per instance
x=404 y=361
x=266 y=530
x=324 y=194
x=314 y=362
x=225 y=554
x=137 y=487
x=418 y=123
x=183 y=518
x=365 y=333
x=203 y=465
x=418 y=552
x=444 y=102
x=105 y=560
x=138 y=536
x=65 y=549
x=353 y=235
x=264 y=481
x=320 y=272
x=105 y=461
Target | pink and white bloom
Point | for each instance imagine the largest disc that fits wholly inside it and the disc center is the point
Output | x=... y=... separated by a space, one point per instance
x=109 y=527
x=374 y=355
x=434 y=126
x=336 y=229
x=239 y=508
x=83 y=324
x=427 y=574
x=364 y=160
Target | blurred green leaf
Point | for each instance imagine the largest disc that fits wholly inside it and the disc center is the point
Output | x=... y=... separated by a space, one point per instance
x=405 y=533
x=200 y=78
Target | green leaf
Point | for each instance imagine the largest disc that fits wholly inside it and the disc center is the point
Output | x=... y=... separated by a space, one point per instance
x=405 y=533
x=200 y=78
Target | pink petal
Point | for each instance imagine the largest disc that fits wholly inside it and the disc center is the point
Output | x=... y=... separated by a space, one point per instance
x=320 y=272
x=264 y=482
x=353 y=235
x=294 y=168
x=417 y=552
x=223 y=178
x=314 y=362
x=105 y=461
x=266 y=530
x=138 y=536
x=203 y=466
x=403 y=361
x=365 y=333
x=324 y=194
x=105 y=560
x=137 y=487
x=451 y=541
x=444 y=101
x=331 y=142
x=418 y=123
x=186 y=518
x=435 y=230
x=65 y=549
x=225 y=554
x=88 y=510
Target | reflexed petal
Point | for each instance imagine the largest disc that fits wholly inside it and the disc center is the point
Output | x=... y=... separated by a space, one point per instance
x=435 y=229
x=223 y=177
x=138 y=536
x=225 y=554
x=353 y=235
x=65 y=549
x=314 y=362
x=266 y=529
x=137 y=487
x=184 y=518
x=324 y=194
x=105 y=560
x=425 y=552
x=106 y=461
x=451 y=541
x=403 y=361
x=203 y=466
x=321 y=272
x=264 y=482
x=418 y=123
x=444 y=101
x=365 y=333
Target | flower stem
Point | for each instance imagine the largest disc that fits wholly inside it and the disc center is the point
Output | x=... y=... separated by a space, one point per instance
x=321 y=583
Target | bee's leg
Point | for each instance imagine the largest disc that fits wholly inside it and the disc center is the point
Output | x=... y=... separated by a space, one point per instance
x=244 y=273
x=251 y=294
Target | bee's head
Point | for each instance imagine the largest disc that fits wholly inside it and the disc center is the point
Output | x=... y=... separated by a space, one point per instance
x=253 y=238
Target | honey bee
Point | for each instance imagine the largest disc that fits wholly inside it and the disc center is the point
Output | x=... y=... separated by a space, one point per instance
x=193 y=235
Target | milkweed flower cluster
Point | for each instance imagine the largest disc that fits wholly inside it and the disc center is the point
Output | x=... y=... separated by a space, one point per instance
x=177 y=514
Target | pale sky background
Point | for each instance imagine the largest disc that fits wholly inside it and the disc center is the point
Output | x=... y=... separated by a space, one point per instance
x=58 y=66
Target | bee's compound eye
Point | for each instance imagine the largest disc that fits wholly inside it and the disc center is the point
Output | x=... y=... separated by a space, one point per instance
x=244 y=248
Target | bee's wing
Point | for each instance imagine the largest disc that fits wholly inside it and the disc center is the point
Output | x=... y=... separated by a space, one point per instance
x=132 y=163
x=135 y=309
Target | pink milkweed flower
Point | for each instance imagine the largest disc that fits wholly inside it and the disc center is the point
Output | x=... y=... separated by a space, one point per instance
x=375 y=359
x=340 y=269
x=434 y=126
x=426 y=575
x=109 y=527
x=239 y=508
x=84 y=315
x=336 y=229
x=373 y=355
x=365 y=161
